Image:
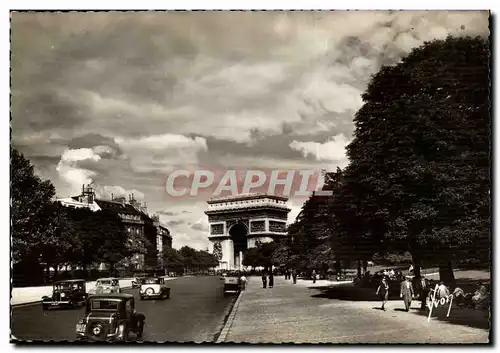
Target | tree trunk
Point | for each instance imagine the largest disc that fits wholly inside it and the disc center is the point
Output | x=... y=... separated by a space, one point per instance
x=359 y=268
x=417 y=265
x=446 y=274
x=365 y=266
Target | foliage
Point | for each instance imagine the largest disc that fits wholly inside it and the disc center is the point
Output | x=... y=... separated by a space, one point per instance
x=188 y=258
x=419 y=177
x=33 y=220
x=97 y=237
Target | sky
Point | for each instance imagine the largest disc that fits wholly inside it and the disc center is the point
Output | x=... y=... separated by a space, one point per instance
x=123 y=99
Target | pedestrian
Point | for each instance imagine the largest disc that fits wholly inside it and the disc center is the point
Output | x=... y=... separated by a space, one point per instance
x=407 y=292
x=443 y=291
x=383 y=291
x=271 y=279
x=264 y=280
x=294 y=276
x=243 y=282
x=314 y=276
x=424 y=291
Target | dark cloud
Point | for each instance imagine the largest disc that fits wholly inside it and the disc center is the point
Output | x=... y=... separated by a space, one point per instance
x=173 y=223
x=167 y=213
x=92 y=140
x=199 y=226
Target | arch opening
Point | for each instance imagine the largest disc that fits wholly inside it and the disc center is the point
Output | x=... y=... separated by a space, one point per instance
x=238 y=234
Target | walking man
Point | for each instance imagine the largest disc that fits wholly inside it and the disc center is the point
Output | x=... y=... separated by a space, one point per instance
x=424 y=292
x=294 y=276
x=264 y=280
x=407 y=292
x=271 y=279
x=383 y=292
x=314 y=276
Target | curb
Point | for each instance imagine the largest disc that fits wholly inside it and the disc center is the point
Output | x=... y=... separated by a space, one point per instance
x=229 y=322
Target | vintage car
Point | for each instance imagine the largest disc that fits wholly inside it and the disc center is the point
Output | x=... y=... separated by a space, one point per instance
x=232 y=284
x=107 y=285
x=154 y=287
x=110 y=317
x=69 y=293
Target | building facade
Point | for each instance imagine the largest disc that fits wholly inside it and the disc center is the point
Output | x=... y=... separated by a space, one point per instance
x=136 y=220
x=238 y=223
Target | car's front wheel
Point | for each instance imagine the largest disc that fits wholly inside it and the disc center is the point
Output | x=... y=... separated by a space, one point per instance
x=45 y=307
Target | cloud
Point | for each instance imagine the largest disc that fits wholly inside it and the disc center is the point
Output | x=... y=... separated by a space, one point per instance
x=173 y=223
x=70 y=172
x=109 y=191
x=166 y=213
x=332 y=150
x=201 y=225
x=122 y=99
x=161 y=152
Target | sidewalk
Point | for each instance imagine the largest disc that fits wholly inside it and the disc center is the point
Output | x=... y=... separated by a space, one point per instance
x=299 y=314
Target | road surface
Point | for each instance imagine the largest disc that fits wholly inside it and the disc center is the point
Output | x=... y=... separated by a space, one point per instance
x=195 y=312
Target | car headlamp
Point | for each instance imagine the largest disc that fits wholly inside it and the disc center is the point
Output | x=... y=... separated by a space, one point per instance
x=63 y=295
x=97 y=330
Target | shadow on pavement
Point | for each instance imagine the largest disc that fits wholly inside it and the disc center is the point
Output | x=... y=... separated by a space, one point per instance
x=458 y=316
x=350 y=292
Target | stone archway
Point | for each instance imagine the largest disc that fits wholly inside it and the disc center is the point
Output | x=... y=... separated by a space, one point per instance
x=238 y=234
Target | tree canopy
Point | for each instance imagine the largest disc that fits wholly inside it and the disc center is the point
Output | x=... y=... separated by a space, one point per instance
x=419 y=173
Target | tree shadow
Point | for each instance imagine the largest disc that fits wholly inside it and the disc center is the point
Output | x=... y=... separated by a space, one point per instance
x=347 y=291
x=458 y=316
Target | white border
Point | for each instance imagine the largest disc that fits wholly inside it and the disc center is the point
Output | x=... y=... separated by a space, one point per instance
x=184 y=4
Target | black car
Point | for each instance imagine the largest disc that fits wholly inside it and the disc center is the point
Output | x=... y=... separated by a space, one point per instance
x=110 y=317
x=69 y=293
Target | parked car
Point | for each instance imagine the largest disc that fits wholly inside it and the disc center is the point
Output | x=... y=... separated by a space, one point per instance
x=107 y=285
x=69 y=293
x=110 y=317
x=154 y=287
x=232 y=284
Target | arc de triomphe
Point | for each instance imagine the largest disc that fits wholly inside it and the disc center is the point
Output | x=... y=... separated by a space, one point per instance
x=238 y=222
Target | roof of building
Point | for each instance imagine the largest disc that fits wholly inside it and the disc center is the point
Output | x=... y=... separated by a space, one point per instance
x=117 y=207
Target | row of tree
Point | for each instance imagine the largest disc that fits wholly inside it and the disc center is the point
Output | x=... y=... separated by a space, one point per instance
x=188 y=260
x=46 y=233
x=419 y=174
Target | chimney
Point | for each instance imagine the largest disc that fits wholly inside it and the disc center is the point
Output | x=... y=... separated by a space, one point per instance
x=112 y=198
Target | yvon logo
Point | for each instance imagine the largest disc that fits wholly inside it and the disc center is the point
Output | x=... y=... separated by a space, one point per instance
x=434 y=302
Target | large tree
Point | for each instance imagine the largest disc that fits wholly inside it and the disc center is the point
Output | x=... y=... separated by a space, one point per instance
x=420 y=157
x=32 y=218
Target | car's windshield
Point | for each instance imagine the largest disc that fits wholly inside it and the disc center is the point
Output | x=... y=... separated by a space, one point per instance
x=152 y=281
x=105 y=282
x=62 y=286
x=104 y=305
